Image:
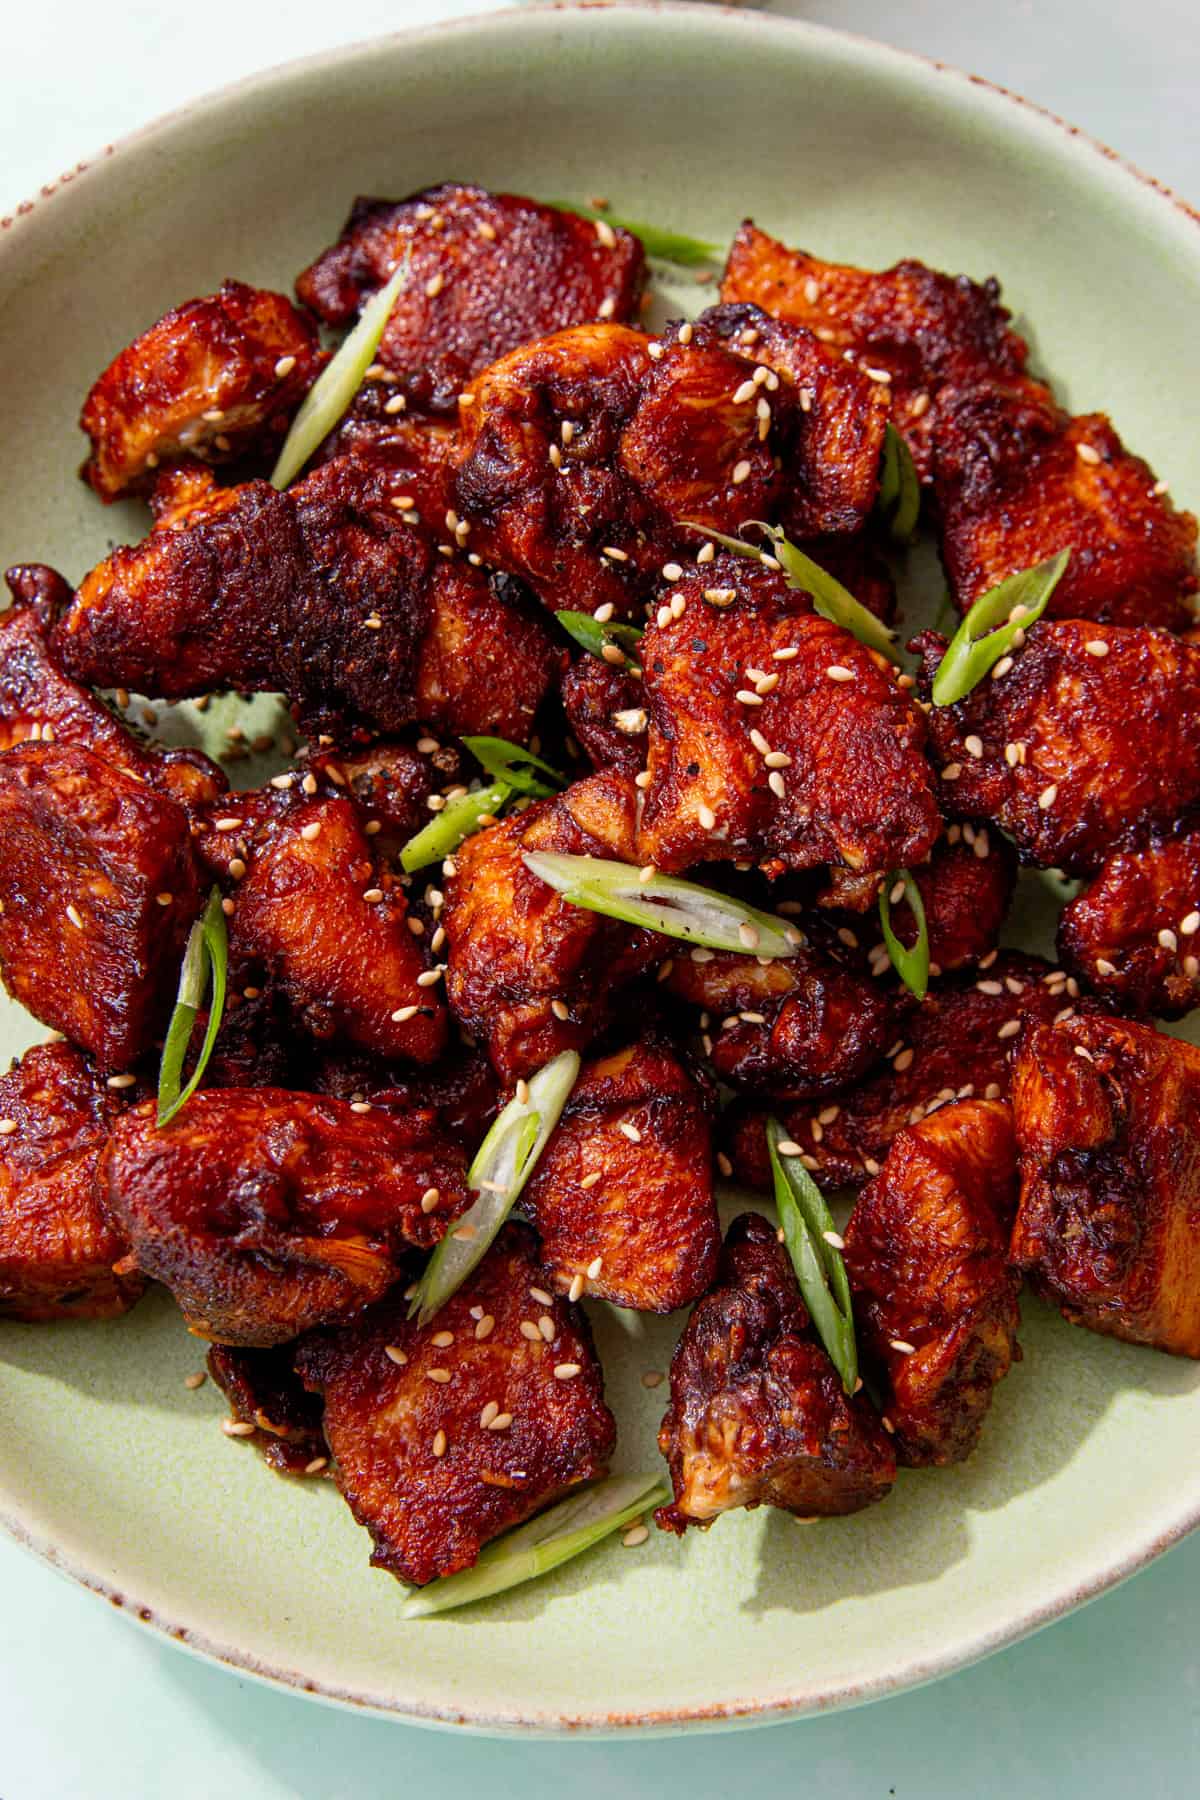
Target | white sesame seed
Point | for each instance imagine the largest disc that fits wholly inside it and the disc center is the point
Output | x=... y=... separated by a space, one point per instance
x=720 y=596
x=1097 y=647
x=835 y=1239
x=440 y=1376
x=989 y=987
x=547 y=1328
x=1009 y=1029
x=195 y=1380
x=1048 y=796
x=1087 y=453
x=701 y=955
x=706 y=816
x=1086 y=1054
x=952 y=771
x=1191 y=967
x=403 y=1013
x=73 y=914
x=749 y=935
x=973 y=747
x=839 y=672
x=902 y=1346
x=788 y=1148
x=872 y=1168
x=706 y=553
x=1190 y=925
x=686 y=332
x=741 y=472
x=777 y=784
x=606 y=234
x=747 y=698
x=589 y=1181
x=567 y=1371
x=606 y=308
x=1167 y=940
x=1002 y=668
x=576 y=1288
x=236 y=1428
x=789 y=653
x=746 y=392
x=7 y=1127
x=765 y=684
x=434 y=285
x=560 y=1009
x=395 y=1355
x=541 y=1296
x=903 y=1061
x=613 y=655
x=637 y=1534
x=429 y=977
x=672 y=571
x=530 y=1331
x=655 y=351
x=439 y=1443
x=630 y=1131
x=1104 y=967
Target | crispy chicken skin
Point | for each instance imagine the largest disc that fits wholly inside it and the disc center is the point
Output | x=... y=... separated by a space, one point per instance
x=956 y=1044
x=267 y=1212
x=1106 y=724
x=389 y=783
x=217 y=378
x=264 y=1390
x=516 y=950
x=757 y=1414
x=461 y=1090
x=435 y=1467
x=926 y=1253
x=57 y=1248
x=98 y=890
x=604 y=709
x=422 y=451
x=487 y=659
x=638 y=1121
x=487 y=272
x=857 y=789
x=1108 y=1226
x=793 y=1028
x=1131 y=934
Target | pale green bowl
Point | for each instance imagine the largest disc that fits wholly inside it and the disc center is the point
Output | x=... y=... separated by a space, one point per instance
x=113 y=1471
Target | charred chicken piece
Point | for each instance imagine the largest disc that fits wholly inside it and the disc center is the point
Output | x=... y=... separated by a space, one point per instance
x=604 y=709
x=487 y=658
x=1108 y=1226
x=461 y=1090
x=421 y=451
x=487 y=272
x=98 y=891
x=57 y=1248
x=447 y=1435
x=265 y=1391
x=757 y=1414
x=935 y=1303
x=256 y=1045
x=1131 y=934
x=1088 y=741
x=389 y=783
x=777 y=737
x=218 y=378
x=529 y=974
x=622 y=1197
x=267 y=1212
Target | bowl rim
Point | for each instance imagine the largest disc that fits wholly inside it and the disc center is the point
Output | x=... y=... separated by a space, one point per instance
x=721 y=1714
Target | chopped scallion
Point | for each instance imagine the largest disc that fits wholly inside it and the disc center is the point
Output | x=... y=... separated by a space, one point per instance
x=912 y=965
x=676 y=909
x=458 y=819
x=899 y=500
x=510 y=763
x=661 y=246
x=820 y=1270
x=204 y=969
x=976 y=647
x=592 y=636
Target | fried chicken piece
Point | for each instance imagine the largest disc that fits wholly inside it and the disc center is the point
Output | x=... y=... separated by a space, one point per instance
x=956 y=1044
x=528 y=974
x=1088 y=741
x=420 y=450
x=793 y=1028
x=267 y=1212
x=622 y=1197
x=935 y=1304
x=57 y=1248
x=218 y=378
x=318 y=922
x=487 y=272
x=256 y=1045
x=854 y=787
x=461 y=1090
x=758 y=1415
x=604 y=709
x=389 y=783
x=98 y=891
x=1131 y=934
x=265 y=1391
x=1108 y=1225
x=487 y=659
x=440 y=1446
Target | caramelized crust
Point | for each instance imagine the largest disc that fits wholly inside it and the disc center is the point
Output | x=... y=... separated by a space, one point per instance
x=935 y=1304
x=461 y=1091
x=57 y=1248
x=487 y=660
x=757 y=1414
x=264 y=1390
x=1132 y=933
x=638 y=1122
x=267 y=1213
x=421 y=451
x=487 y=272
x=388 y=782
x=604 y=709
x=435 y=1467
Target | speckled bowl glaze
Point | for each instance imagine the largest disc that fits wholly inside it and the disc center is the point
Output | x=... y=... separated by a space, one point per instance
x=114 y=1471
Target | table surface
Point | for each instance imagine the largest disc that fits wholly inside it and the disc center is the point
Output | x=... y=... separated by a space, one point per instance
x=1100 y=1703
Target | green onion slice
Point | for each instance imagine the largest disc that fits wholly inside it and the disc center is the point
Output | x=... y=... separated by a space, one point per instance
x=337 y=384
x=676 y=909
x=458 y=819
x=806 y=1221
x=510 y=763
x=912 y=966
x=899 y=500
x=661 y=246
x=591 y=635
x=553 y=1537
x=504 y=1162
x=971 y=653
x=205 y=960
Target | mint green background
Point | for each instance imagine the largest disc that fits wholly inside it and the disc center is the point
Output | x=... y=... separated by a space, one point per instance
x=1097 y=1704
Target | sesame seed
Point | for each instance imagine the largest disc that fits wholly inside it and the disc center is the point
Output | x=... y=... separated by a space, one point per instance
x=706 y=553
x=121 y=1081
x=576 y=1288
x=560 y=1009
x=642 y=778
x=74 y=916
x=630 y=1131
x=428 y=977
x=672 y=571
x=952 y=771
x=741 y=472
x=442 y=1339
x=440 y=1376
x=1168 y=940
x=788 y=654
x=706 y=816
x=973 y=746
x=701 y=955
x=763 y=413
x=720 y=596
x=752 y=1018
x=747 y=698
x=403 y=1013
x=870 y=1165
x=678 y=606
x=434 y=285
x=1190 y=925
x=1087 y=454
x=989 y=987
x=1086 y=1054
x=1002 y=668
x=606 y=234
x=902 y=1346
x=236 y=1428
x=881 y=375
x=606 y=308
x=765 y=684
x=529 y=1331
x=491 y=1411
x=835 y=1239
x=439 y=1443
x=395 y=1354
x=632 y=721
x=788 y=1148
x=686 y=332
x=501 y=1422
x=1048 y=796
x=541 y=1296
x=746 y=392
x=636 y=1535
x=567 y=1371
x=777 y=784
x=1104 y=967
x=195 y=1380
x=429 y=1200
x=655 y=351
x=903 y=1061
x=1009 y=1029
x=1191 y=967
x=1096 y=647
x=593 y=1271
x=547 y=1327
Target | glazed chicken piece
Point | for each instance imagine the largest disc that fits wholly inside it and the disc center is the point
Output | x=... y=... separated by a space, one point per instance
x=529 y=974
x=1089 y=740
x=1131 y=934
x=268 y=1213
x=98 y=891
x=793 y=1028
x=316 y=920
x=622 y=1197
x=487 y=659
x=487 y=272
x=461 y=1090
x=256 y=1045
x=389 y=782
x=935 y=1304
x=57 y=1248
x=604 y=709
x=264 y=1391
x=956 y=1044
x=218 y=378
x=446 y=1435
x=422 y=451
x=777 y=737
x=757 y=1414
x=1108 y=1225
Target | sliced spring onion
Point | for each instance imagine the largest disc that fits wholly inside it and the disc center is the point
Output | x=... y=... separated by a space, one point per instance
x=661 y=246
x=806 y=1219
x=510 y=763
x=504 y=1162
x=553 y=1537
x=912 y=966
x=899 y=500
x=677 y=909
x=205 y=964
x=337 y=384
x=976 y=647
x=591 y=635
x=458 y=819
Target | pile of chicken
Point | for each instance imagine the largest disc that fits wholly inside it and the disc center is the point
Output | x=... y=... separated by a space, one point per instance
x=521 y=446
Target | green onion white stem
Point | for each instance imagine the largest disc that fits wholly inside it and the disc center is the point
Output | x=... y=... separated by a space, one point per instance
x=910 y=964
x=205 y=966
x=674 y=908
x=820 y=1270
x=976 y=647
